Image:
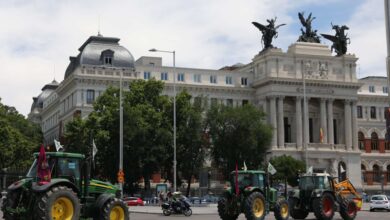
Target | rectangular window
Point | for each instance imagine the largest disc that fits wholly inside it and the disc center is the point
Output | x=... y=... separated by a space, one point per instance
x=385 y=89
x=108 y=60
x=373 y=112
x=229 y=80
x=197 y=78
x=371 y=89
x=245 y=102
x=164 y=76
x=90 y=96
x=244 y=81
x=146 y=75
x=359 y=111
x=180 y=77
x=213 y=79
x=229 y=102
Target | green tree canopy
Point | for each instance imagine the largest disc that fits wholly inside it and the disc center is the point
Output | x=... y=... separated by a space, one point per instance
x=18 y=138
x=238 y=134
x=288 y=169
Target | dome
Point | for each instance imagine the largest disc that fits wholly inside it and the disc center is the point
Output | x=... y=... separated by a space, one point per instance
x=101 y=51
x=46 y=91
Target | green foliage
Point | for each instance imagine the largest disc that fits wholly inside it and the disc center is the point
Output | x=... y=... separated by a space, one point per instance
x=190 y=142
x=18 y=138
x=238 y=134
x=287 y=167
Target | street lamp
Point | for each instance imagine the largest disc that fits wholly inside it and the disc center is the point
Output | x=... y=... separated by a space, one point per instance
x=174 y=112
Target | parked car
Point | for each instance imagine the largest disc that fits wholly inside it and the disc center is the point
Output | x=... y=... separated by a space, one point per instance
x=133 y=201
x=210 y=199
x=379 y=202
x=195 y=200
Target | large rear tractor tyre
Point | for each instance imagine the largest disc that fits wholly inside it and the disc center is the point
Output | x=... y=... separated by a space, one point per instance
x=281 y=210
x=348 y=211
x=115 y=209
x=11 y=200
x=223 y=213
x=59 y=203
x=295 y=211
x=255 y=208
x=324 y=207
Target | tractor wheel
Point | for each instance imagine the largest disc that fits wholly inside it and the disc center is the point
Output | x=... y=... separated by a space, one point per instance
x=255 y=206
x=223 y=214
x=59 y=202
x=10 y=201
x=324 y=207
x=281 y=211
x=349 y=210
x=296 y=212
x=115 y=209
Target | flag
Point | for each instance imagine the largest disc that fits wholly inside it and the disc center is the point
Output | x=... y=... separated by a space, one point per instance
x=58 y=145
x=44 y=174
x=342 y=170
x=321 y=136
x=245 y=168
x=236 y=181
x=271 y=169
x=94 y=150
x=310 y=170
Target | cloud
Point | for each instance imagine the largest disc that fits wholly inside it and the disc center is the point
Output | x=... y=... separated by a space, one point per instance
x=39 y=35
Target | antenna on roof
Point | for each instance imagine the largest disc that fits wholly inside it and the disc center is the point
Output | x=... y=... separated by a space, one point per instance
x=99 y=35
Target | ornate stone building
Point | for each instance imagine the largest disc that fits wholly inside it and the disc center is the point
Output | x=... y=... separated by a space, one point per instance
x=313 y=100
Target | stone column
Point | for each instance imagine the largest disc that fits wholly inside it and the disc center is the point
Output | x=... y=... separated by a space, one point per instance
x=323 y=120
x=348 y=124
x=330 y=121
x=306 y=136
x=355 y=140
x=272 y=103
x=298 y=121
x=280 y=122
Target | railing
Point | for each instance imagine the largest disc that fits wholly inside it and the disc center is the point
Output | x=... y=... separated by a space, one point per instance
x=376 y=177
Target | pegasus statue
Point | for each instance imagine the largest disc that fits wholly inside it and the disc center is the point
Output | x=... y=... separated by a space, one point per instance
x=340 y=39
x=269 y=32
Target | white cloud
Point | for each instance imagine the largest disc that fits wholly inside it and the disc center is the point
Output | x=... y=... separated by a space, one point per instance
x=38 y=35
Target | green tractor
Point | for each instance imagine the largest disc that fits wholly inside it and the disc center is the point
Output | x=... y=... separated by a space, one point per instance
x=322 y=194
x=70 y=194
x=249 y=194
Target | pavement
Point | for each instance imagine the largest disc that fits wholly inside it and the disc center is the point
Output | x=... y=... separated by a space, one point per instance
x=196 y=210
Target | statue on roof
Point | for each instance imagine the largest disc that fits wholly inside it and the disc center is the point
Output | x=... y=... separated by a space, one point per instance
x=269 y=32
x=340 y=39
x=308 y=35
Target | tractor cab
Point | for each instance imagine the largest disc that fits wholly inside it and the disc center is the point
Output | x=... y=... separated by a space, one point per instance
x=315 y=181
x=61 y=165
x=248 y=179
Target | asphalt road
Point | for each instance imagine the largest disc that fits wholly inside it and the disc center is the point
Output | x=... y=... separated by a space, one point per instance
x=361 y=216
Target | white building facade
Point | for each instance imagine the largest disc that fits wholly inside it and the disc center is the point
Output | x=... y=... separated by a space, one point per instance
x=327 y=118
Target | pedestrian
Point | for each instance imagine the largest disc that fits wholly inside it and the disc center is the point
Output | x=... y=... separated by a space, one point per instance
x=160 y=198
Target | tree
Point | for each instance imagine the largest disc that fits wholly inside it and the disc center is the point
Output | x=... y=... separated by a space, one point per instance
x=147 y=131
x=288 y=169
x=190 y=142
x=238 y=135
x=18 y=138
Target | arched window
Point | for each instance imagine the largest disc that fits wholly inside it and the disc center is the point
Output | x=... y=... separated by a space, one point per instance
x=363 y=168
x=361 y=140
x=342 y=170
x=374 y=141
x=376 y=173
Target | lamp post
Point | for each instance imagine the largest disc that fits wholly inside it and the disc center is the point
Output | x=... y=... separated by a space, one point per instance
x=120 y=136
x=174 y=112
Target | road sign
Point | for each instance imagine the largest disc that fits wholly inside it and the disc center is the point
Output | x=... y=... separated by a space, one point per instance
x=121 y=176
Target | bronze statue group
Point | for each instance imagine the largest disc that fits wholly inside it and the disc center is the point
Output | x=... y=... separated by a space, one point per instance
x=340 y=39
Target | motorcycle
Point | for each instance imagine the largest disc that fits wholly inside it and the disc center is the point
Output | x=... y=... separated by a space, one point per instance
x=176 y=207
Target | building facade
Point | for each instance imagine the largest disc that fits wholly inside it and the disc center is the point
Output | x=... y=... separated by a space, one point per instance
x=320 y=111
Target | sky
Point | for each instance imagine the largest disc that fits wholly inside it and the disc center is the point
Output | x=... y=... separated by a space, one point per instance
x=38 y=36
